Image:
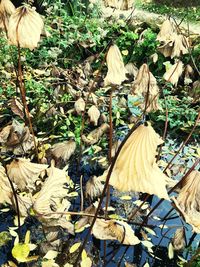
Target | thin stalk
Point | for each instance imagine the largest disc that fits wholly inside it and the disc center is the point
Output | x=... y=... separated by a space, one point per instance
x=110 y=160
x=82 y=196
x=23 y=97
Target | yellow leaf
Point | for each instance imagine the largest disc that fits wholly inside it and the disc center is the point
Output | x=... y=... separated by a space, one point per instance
x=20 y=252
x=12 y=264
x=27 y=237
x=114 y=216
x=125 y=52
x=147 y=244
x=86 y=262
x=126 y=198
x=74 y=247
x=170 y=251
x=84 y=255
x=72 y=194
x=51 y=254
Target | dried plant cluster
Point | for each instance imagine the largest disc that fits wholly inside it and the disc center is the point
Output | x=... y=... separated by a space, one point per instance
x=172 y=43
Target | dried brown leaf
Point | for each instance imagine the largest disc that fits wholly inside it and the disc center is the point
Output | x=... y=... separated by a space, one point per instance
x=63 y=150
x=95 y=135
x=116 y=70
x=178 y=240
x=93 y=188
x=5 y=187
x=136 y=168
x=145 y=83
x=174 y=73
x=25 y=27
x=187 y=201
x=79 y=105
x=24 y=173
x=94 y=114
x=114 y=230
x=17 y=107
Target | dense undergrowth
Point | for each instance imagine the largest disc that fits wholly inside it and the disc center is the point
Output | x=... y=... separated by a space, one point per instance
x=68 y=65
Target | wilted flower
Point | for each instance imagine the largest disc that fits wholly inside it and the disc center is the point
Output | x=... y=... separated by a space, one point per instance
x=188 y=202
x=25 y=27
x=174 y=73
x=136 y=169
x=116 y=71
x=145 y=82
x=6 y=9
x=172 y=44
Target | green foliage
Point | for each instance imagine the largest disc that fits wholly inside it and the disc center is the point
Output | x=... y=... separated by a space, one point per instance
x=191 y=13
x=181 y=113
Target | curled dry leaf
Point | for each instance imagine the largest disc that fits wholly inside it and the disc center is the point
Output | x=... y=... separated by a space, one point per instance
x=93 y=188
x=5 y=187
x=16 y=138
x=51 y=197
x=63 y=150
x=178 y=240
x=95 y=135
x=24 y=173
x=173 y=74
x=135 y=168
x=187 y=201
x=114 y=230
x=6 y=10
x=145 y=82
x=79 y=105
x=116 y=71
x=25 y=27
x=17 y=107
x=94 y=114
x=172 y=44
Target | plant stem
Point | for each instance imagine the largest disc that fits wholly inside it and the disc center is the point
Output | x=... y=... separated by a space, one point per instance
x=23 y=97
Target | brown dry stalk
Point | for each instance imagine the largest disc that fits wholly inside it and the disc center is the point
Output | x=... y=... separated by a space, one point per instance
x=23 y=97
